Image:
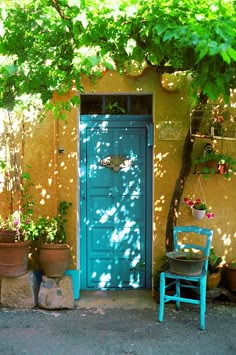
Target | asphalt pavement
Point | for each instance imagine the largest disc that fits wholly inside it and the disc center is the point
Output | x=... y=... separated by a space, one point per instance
x=118 y=323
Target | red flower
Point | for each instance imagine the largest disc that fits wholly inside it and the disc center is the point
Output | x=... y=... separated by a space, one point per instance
x=210 y=215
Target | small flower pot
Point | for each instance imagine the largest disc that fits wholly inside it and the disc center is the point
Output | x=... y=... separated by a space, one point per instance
x=198 y=214
x=213 y=280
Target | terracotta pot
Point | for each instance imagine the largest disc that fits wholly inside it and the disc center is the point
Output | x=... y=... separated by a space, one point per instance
x=230 y=275
x=7 y=236
x=185 y=263
x=14 y=258
x=198 y=214
x=54 y=259
x=213 y=280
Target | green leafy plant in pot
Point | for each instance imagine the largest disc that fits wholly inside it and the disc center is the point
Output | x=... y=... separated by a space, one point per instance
x=214 y=270
x=54 y=254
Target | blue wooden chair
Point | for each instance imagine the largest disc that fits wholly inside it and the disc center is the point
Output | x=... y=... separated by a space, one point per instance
x=168 y=278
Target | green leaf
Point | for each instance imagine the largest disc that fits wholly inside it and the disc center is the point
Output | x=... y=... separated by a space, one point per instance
x=232 y=53
x=226 y=57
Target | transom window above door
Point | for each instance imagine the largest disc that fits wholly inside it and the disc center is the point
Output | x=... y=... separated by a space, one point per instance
x=116 y=104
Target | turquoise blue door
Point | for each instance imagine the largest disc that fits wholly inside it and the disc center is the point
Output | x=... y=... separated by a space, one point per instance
x=115 y=197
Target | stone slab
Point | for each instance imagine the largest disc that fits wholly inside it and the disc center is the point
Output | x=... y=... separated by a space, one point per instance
x=56 y=293
x=19 y=292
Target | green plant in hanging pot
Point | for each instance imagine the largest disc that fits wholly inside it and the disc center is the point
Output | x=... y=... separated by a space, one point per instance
x=199 y=208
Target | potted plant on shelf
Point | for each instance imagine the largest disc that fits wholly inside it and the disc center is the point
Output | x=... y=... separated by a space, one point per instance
x=214 y=270
x=54 y=253
x=199 y=208
x=225 y=163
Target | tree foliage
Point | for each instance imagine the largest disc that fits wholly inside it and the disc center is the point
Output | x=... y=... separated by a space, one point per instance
x=46 y=45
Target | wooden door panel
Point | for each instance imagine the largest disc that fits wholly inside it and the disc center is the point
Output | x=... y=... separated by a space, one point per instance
x=115 y=212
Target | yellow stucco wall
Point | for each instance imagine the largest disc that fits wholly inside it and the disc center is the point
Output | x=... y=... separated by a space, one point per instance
x=167 y=153
x=56 y=175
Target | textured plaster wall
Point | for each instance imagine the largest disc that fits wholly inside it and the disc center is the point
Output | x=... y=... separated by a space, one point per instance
x=219 y=192
x=56 y=175
x=220 y=196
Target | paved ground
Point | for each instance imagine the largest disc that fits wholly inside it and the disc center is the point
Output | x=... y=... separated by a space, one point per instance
x=118 y=323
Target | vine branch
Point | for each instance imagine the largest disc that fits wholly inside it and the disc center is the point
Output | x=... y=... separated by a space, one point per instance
x=180 y=182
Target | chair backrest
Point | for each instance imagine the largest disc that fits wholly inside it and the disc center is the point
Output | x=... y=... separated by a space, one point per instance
x=206 y=233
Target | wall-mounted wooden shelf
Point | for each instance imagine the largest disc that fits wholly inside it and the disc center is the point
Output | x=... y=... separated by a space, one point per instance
x=210 y=165
x=213 y=122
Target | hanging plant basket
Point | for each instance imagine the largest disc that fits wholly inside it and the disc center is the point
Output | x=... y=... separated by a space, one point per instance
x=198 y=205
x=198 y=214
x=186 y=263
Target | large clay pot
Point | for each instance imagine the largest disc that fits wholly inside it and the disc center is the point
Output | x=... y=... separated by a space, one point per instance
x=14 y=258
x=185 y=263
x=7 y=236
x=54 y=259
x=213 y=280
x=230 y=275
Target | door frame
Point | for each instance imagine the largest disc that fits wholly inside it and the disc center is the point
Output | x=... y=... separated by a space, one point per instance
x=99 y=121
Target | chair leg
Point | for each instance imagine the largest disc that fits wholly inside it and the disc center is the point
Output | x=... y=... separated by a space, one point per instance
x=162 y=296
x=177 y=293
x=202 y=303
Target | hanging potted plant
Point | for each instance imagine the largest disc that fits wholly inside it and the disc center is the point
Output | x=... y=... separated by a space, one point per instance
x=54 y=254
x=199 y=208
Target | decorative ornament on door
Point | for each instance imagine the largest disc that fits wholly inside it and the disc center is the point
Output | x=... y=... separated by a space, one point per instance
x=116 y=162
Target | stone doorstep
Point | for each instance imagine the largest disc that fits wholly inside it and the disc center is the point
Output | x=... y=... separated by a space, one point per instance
x=26 y=292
